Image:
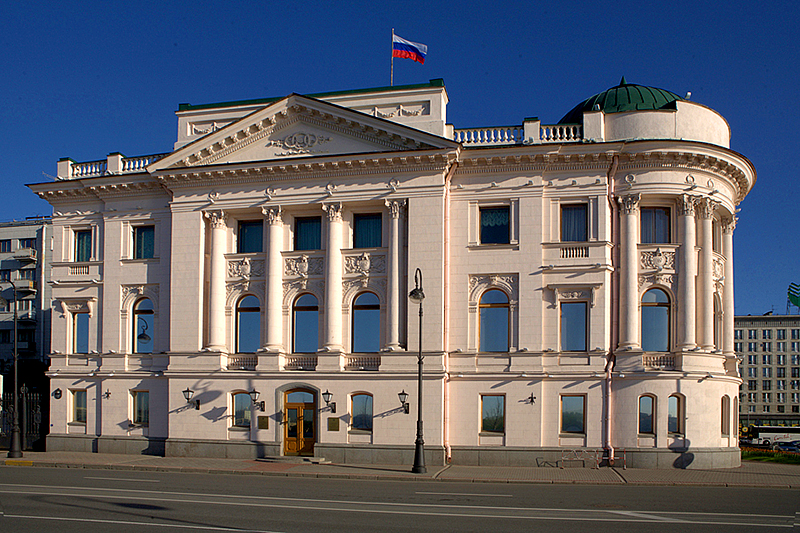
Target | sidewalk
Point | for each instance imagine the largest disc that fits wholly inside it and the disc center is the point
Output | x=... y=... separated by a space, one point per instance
x=750 y=474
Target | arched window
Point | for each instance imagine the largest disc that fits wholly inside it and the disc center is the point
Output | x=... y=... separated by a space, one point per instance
x=361 y=411
x=647 y=406
x=143 y=330
x=241 y=403
x=306 y=324
x=675 y=414
x=726 y=415
x=248 y=325
x=494 y=316
x=655 y=321
x=366 y=323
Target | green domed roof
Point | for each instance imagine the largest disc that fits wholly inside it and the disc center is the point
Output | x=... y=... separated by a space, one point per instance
x=623 y=97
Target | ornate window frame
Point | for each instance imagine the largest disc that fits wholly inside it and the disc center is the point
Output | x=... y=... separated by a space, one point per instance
x=130 y=295
x=480 y=283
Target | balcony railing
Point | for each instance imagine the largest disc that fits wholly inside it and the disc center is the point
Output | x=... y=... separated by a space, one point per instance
x=27 y=255
x=301 y=362
x=242 y=362
x=362 y=362
x=664 y=362
x=114 y=164
x=531 y=133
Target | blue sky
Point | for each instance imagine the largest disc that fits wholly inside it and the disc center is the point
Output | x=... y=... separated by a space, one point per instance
x=84 y=79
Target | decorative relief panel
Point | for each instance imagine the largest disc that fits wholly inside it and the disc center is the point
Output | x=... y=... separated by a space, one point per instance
x=245 y=268
x=351 y=286
x=718 y=267
x=299 y=143
x=365 y=264
x=132 y=292
x=399 y=110
x=303 y=266
x=236 y=288
x=629 y=204
x=291 y=288
x=480 y=282
x=204 y=128
x=658 y=278
x=658 y=260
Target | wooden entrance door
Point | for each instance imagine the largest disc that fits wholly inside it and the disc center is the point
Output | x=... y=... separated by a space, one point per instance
x=300 y=433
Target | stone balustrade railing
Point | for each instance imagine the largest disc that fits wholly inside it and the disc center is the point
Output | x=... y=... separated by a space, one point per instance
x=242 y=362
x=531 y=132
x=362 y=362
x=113 y=164
x=666 y=362
x=301 y=362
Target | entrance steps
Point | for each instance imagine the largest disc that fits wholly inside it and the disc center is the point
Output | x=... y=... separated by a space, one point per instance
x=294 y=459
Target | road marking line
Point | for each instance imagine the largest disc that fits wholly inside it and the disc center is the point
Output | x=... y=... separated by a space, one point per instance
x=123 y=479
x=133 y=523
x=465 y=494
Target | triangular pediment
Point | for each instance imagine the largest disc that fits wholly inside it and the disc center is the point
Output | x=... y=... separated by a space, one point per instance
x=298 y=126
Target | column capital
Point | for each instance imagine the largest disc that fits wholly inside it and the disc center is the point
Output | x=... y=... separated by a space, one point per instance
x=395 y=207
x=729 y=224
x=274 y=215
x=217 y=218
x=334 y=211
x=629 y=204
x=707 y=206
x=686 y=205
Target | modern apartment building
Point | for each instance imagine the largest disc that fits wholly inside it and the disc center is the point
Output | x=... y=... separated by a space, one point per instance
x=768 y=348
x=246 y=293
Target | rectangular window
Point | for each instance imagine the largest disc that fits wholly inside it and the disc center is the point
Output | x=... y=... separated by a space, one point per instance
x=766 y=384
x=752 y=397
x=675 y=415
x=795 y=372
x=83 y=246
x=242 y=404
x=308 y=233
x=781 y=384
x=79 y=406
x=795 y=334
x=26 y=335
x=752 y=334
x=765 y=408
x=574 y=223
x=752 y=384
x=781 y=346
x=766 y=359
x=781 y=409
x=766 y=397
x=141 y=407
x=655 y=225
x=493 y=413
x=781 y=334
x=573 y=414
x=5 y=245
x=738 y=334
x=737 y=346
x=751 y=346
x=5 y=336
x=361 y=410
x=766 y=372
x=27 y=273
x=5 y=275
x=752 y=359
x=796 y=397
x=795 y=384
x=766 y=346
x=780 y=372
x=766 y=333
x=752 y=372
x=796 y=346
x=780 y=397
x=573 y=326
x=495 y=225
x=796 y=359
x=144 y=242
x=80 y=333
x=367 y=230
x=27 y=243
x=646 y=407
x=250 y=236
x=751 y=409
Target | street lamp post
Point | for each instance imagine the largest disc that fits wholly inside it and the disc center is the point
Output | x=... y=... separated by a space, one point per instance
x=417 y=296
x=15 y=449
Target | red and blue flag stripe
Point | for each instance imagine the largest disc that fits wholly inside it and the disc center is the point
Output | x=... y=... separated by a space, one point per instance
x=408 y=50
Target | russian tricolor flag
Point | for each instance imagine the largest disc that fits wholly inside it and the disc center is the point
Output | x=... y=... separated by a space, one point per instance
x=409 y=50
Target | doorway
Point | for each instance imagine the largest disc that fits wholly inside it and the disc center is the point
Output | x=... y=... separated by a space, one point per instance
x=300 y=430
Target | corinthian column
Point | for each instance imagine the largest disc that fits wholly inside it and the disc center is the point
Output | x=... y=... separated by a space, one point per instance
x=705 y=308
x=687 y=295
x=393 y=293
x=629 y=272
x=728 y=225
x=333 y=279
x=273 y=341
x=216 y=290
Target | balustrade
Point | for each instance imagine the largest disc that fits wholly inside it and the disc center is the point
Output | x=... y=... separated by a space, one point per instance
x=559 y=133
x=362 y=362
x=506 y=135
x=242 y=362
x=665 y=362
x=572 y=252
x=301 y=362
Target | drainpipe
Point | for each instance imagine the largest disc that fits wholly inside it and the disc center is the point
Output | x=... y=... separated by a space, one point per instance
x=608 y=406
x=446 y=317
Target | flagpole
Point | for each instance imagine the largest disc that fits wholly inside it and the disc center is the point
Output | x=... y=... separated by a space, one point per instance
x=391 y=73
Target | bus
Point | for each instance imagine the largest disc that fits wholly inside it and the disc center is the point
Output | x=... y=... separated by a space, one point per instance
x=766 y=436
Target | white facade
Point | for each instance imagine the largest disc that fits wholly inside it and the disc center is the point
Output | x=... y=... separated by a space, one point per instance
x=578 y=282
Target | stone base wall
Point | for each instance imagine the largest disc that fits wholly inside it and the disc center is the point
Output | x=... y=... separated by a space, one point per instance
x=381 y=455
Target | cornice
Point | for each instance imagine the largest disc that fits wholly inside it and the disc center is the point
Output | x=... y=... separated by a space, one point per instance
x=477 y=164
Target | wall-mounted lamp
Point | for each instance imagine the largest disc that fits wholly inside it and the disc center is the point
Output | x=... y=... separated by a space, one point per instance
x=404 y=400
x=107 y=394
x=532 y=399
x=327 y=397
x=254 y=394
x=143 y=336
x=188 y=393
x=57 y=394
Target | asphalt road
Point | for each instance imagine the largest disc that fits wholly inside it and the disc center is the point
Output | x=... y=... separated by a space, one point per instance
x=87 y=501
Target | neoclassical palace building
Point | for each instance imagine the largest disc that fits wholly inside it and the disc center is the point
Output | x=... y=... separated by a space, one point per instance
x=246 y=294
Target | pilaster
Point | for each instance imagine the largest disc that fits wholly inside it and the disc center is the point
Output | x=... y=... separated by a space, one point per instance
x=629 y=271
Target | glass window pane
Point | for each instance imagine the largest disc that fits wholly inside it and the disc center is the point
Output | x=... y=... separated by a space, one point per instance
x=141 y=407
x=494 y=317
x=655 y=225
x=362 y=412
x=493 y=415
x=291 y=423
x=308 y=233
x=250 y=238
x=646 y=414
x=241 y=409
x=495 y=225
x=79 y=406
x=655 y=296
x=572 y=414
x=673 y=416
x=248 y=326
x=143 y=341
x=655 y=329
x=80 y=333
x=367 y=231
x=308 y=423
x=366 y=323
x=573 y=326
x=573 y=223
x=306 y=324
x=300 y=397
x=144 y=242
x=83 y=245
